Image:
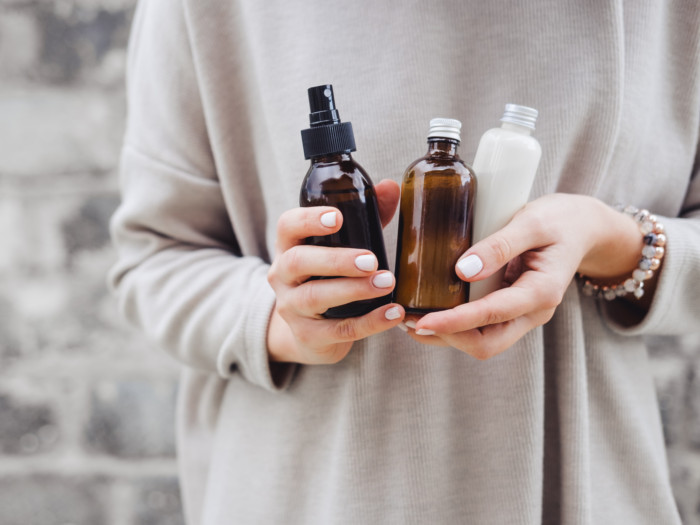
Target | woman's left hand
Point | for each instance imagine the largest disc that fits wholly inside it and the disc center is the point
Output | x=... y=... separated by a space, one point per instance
x=544 y=245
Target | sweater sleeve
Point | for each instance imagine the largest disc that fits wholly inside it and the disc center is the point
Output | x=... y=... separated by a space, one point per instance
x=675 y=308
x=180 y=276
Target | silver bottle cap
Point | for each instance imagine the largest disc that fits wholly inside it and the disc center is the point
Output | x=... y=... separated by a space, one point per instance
x=446 y=128
x=521 y=115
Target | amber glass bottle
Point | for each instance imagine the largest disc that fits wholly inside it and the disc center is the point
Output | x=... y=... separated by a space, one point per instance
x=435 y=224
x=335 y=179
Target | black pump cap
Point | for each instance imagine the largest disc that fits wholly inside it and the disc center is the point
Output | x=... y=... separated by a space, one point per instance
x=327 y=134
x=322 y=104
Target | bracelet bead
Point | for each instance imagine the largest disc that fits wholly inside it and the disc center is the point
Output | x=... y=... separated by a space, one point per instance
x=654 y=239
x=649 y=251
x=645 y=263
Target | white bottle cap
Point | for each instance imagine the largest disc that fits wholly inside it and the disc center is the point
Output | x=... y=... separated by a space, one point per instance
x=521 y=115
x=446 y=128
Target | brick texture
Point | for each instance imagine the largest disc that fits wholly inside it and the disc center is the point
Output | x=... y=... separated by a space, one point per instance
x=43 y=499
x=86 y=405
x=131 y=419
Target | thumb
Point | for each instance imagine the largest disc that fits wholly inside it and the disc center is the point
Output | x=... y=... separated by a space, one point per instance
x=487 y=256
x=388 y=195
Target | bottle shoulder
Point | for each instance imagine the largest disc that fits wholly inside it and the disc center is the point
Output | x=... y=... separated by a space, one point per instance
x=346 y=173
x=428 y=165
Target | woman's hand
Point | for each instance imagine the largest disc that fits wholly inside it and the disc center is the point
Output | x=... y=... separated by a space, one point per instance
x=297 y=332
x=544 y=245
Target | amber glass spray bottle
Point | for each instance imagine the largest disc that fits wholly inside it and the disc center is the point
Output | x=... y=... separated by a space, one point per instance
x=335 y=179
x=435 y=224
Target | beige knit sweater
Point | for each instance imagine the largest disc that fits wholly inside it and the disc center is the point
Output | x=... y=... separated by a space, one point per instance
x=561 y=429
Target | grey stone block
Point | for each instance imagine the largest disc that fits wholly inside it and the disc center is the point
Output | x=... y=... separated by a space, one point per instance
x=53 y=500
x=56 y=298
x=51 y=132
x=26 y=427
x=64 y=41
x=157 y=502
x=12 y=340
x=132 y=419
x=30 y=234
x=76 y=38
x=44 y=231
x=19 y=44
x=55 y=251
x=88 y=227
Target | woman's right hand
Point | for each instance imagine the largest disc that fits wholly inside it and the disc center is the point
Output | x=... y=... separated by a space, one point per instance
x=297 y=332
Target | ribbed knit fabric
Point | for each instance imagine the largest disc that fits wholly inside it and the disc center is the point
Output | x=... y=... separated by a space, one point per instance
x=563 y=428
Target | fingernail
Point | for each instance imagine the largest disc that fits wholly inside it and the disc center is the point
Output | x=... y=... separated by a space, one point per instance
x=470 y=266
x=411 y=324
x=328 y=219
x=383 y=280
x=402 y=326
x=392 y=313
x=425 y=331
x=366 y=263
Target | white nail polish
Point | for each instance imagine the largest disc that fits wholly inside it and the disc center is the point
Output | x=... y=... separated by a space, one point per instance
x=366 y=263
x=402 y=327
x=392 y=313
x=411 y=324
x=425 y=331
x=328 y=219
x=383 y=280
x=470 y=266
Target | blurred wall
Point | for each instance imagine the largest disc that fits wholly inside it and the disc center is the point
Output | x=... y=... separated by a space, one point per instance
x=86 y=406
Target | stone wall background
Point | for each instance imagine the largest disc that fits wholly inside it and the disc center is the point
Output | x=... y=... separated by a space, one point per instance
x=86 y=405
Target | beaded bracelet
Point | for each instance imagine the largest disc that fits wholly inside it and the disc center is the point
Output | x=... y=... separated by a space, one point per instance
x=652 y=254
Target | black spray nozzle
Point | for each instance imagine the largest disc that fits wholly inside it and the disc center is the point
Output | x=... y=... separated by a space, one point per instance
x=322 y=105
x=327 y=134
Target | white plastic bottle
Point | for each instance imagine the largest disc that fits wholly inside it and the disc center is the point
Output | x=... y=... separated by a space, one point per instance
x=505 y=164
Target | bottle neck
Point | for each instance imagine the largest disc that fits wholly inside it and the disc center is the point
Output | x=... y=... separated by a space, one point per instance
x=331 y=158
x=517 y=128
x=438 y=146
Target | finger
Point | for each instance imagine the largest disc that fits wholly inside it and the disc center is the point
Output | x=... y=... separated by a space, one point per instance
x=428 y=340
x=320 y=333
x=532 y=292
x=315 y=297
x=297 y=224
x=488 y=342
x=425 y=337
x=524 y=232
x=388 y=196
x=298 y=263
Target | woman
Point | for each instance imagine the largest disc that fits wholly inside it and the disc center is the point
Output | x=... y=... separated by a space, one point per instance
x=288 y=418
